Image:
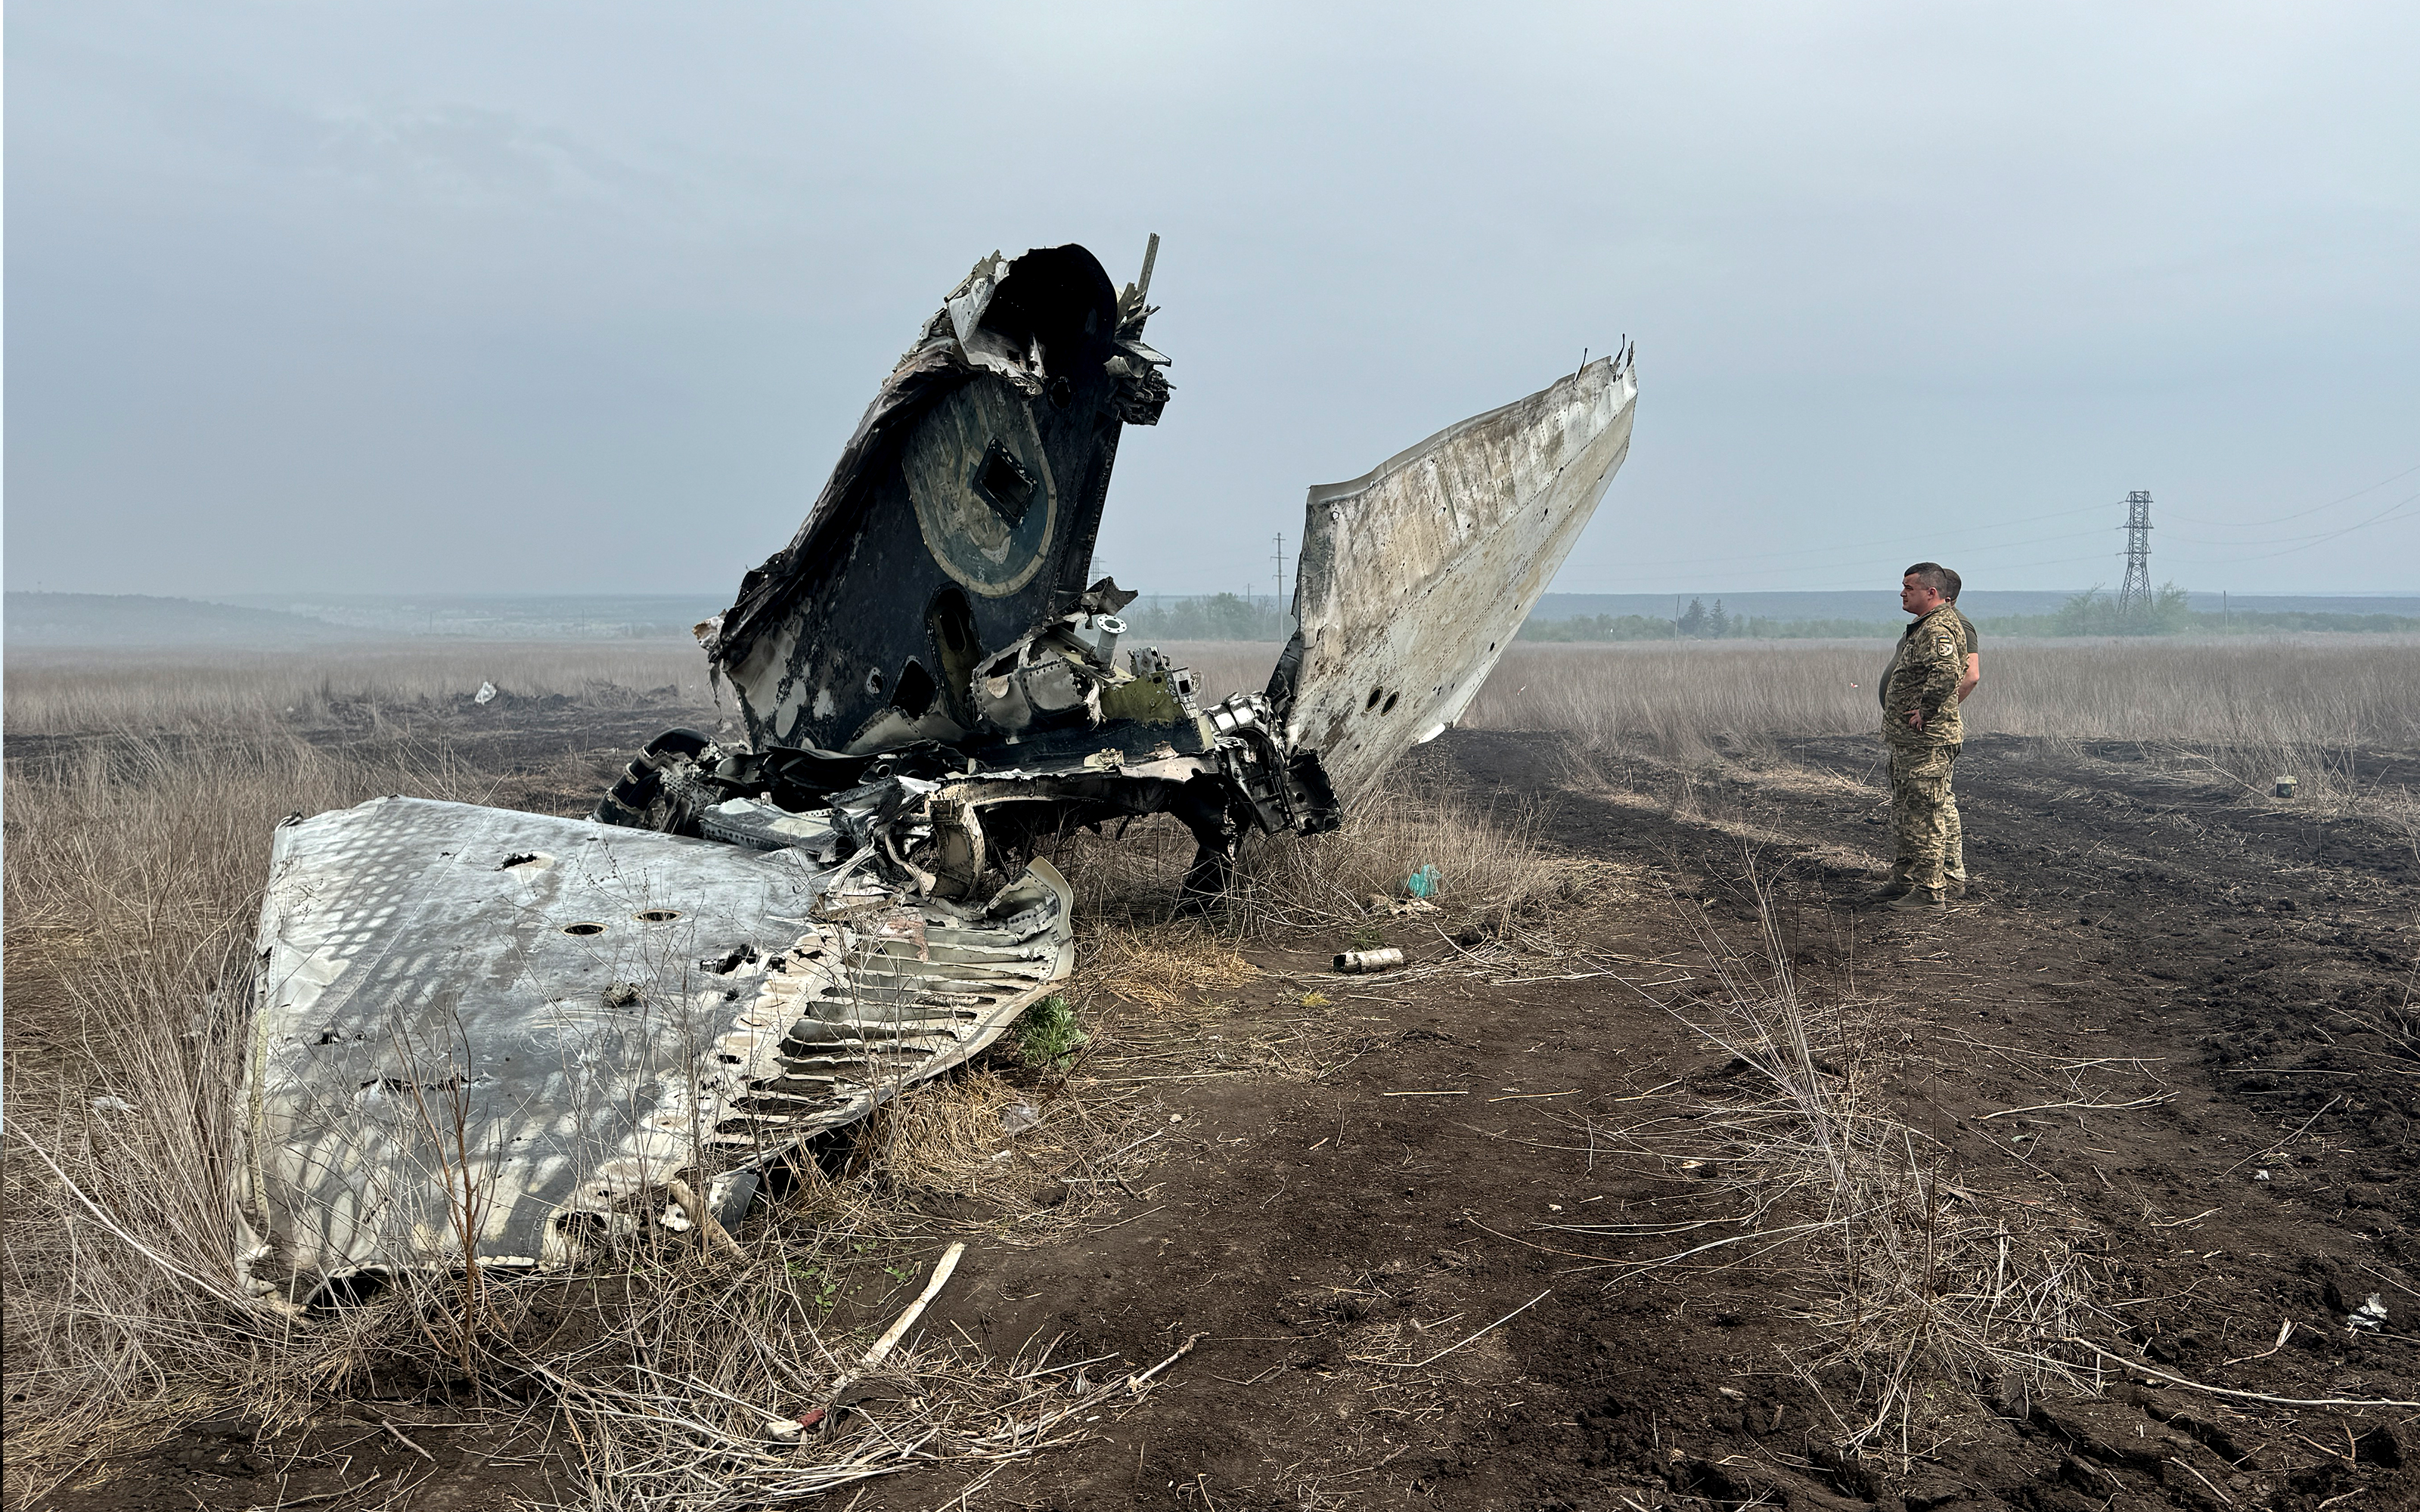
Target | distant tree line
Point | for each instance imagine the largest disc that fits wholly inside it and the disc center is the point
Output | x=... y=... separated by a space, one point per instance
x=1699 y=623
x=1217 y=617
x=2092 y=612
x=2170 y=613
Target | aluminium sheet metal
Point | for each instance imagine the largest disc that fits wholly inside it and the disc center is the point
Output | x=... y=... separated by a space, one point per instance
x=1416 y=576
x=470 y=1023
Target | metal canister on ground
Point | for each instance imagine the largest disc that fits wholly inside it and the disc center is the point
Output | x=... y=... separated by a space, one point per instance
x=2284 y=788
x=1361 y=963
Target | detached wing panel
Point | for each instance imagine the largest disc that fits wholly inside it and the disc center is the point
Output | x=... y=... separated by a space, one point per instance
x=1417 y=576
x=483 y=1033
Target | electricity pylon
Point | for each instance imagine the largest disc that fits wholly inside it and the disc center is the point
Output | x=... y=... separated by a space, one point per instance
x=2134 y=595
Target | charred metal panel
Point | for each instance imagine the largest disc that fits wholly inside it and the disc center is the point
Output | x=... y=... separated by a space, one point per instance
x=495 y=1034
x=1416 y=576
x=962 y=514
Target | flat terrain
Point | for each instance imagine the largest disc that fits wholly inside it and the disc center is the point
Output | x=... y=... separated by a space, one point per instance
x=2160 y=1042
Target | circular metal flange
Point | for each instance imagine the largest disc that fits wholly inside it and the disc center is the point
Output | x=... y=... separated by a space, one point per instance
x=985 y=499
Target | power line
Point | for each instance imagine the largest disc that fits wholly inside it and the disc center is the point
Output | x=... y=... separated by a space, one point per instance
x=1790 y=571
x=2378 y=518
x=2316 y=535
x=1802 y=552
x=2254 y=524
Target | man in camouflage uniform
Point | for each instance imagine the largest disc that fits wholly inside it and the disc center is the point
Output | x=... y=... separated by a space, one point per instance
x=1953 y=849
x=1921 y=732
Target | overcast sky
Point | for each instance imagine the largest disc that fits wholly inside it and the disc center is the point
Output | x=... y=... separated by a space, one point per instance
x=585 y=296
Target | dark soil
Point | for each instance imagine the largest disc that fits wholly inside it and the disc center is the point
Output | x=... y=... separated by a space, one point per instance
x=2134 y=910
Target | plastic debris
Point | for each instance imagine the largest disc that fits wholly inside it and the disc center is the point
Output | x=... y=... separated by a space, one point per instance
x=2367 y=1317
x=1423 y=883
x=786 y=1430
x=1361 y=963
x=1018 y=1117
x=111 y=1104
x=487 y=693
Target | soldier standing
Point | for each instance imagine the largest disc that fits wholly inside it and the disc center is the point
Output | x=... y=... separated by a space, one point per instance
x=1921 y=733
x=1953 y=849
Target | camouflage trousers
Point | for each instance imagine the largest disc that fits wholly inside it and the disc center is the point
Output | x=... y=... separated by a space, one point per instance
x=1929 y=845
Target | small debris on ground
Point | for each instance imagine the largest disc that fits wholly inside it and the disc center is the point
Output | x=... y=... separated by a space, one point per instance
x=1361 y=963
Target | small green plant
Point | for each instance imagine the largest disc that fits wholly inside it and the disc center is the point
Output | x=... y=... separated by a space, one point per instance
x=826 y=1278
x=1365 y=937
x=1048 y=1033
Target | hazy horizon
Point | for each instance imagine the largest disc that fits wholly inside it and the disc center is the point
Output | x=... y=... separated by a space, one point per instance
x=563 y=300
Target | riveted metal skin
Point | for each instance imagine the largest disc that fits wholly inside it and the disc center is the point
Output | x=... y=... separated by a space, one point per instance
x=1417 y=575
x=497 y=1036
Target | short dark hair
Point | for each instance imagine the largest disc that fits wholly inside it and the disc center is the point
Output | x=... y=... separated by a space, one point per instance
x=1935 y=576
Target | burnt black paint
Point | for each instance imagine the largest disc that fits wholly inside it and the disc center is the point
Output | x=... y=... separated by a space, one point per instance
x=857 y=574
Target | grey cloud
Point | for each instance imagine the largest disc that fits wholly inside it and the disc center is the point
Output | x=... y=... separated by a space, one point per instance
x=471 y=297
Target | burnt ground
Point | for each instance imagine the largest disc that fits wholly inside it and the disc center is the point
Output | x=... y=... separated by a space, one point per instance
x=2144 y=934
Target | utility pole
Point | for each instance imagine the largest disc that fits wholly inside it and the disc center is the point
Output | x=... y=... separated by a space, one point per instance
x=2135 y=594
x=1281 y=561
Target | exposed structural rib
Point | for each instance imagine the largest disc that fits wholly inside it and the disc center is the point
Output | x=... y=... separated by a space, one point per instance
x=482 y=1034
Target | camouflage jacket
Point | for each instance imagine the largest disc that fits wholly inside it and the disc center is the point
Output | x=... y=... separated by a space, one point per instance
x=1924 y=675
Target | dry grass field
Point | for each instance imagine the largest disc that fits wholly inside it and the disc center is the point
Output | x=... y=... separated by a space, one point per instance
x=1610 y=815
x=2305 y=704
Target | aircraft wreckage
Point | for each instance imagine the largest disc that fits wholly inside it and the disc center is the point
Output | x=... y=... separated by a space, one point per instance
x=502 y=1038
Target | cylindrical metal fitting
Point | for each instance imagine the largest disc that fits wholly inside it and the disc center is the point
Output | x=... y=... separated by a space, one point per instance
x=1240 y=711
x=1361 y=963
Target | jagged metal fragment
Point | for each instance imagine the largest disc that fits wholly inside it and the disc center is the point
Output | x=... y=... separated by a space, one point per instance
x=1416 y=576
x=485 y=1035
x=960 y=517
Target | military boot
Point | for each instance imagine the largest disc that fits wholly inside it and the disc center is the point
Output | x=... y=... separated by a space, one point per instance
x=1890 y=892
x=1919 y=899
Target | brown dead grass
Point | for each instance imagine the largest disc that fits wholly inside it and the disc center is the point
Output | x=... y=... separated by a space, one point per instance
x=150 y=693
x=1912 y=1275
x=1160 y=967
x=1496 y=867
x=132 y=877
x=2244 y=710
x=135 y=861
